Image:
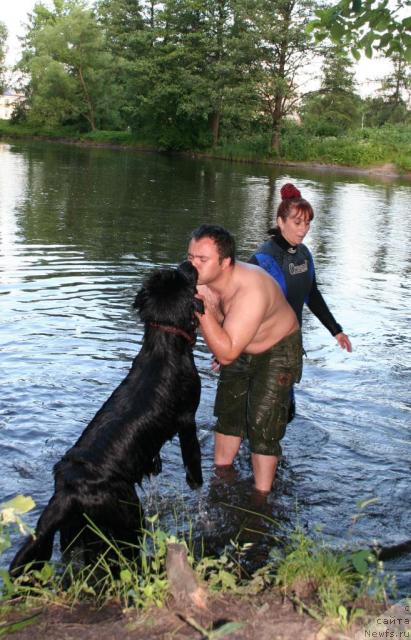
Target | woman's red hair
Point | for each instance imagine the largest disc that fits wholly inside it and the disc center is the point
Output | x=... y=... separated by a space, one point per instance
x=291 y=201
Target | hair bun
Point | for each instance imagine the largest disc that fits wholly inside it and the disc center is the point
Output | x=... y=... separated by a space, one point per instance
x=288 y=191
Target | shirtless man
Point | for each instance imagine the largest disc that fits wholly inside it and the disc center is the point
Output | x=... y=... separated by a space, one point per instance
x=254 y=334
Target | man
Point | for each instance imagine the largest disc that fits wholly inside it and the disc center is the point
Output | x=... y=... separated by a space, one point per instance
x=254 y=334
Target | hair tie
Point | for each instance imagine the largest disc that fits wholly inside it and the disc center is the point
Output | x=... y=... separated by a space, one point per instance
x=289 y=191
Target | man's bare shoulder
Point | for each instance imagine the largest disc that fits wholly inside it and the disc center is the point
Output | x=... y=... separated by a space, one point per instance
x=252 y=273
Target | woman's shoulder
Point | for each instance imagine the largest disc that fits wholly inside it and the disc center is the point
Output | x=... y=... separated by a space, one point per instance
x=304 y=249
x=269 y=247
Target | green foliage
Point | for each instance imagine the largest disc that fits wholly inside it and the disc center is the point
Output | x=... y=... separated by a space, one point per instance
x=195 y=73
x=184 y=74
x=378 y=112
x=10 y=517
x=362 y=148
x=139 y=583
x=335 y=107
x=285 y=47
x=389 y=106
x=124 y=138
x=366 y=25
x=249 y=147
x=331 y=580
x=71 y=72
x=327 y=583
x=367 y=147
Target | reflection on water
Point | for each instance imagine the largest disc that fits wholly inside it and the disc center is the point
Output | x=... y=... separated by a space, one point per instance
x=81 y=228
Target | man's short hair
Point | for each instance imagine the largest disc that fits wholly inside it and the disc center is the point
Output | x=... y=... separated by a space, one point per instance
x=223 y=239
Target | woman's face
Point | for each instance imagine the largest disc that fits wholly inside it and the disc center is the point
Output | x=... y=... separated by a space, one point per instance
x=295 y=227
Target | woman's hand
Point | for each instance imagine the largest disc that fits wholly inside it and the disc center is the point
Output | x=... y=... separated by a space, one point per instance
x=343 y=341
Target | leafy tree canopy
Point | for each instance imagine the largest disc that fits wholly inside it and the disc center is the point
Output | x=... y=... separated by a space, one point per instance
x=70 y=70
x=335 y=107
x=367 y=25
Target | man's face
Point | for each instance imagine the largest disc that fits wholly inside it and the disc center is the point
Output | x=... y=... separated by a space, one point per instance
x=203 y=254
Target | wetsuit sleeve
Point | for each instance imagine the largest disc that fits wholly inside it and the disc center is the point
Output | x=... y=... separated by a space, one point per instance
x=319 y=308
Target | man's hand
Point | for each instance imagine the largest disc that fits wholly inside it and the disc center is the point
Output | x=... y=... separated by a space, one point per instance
x=211 y=302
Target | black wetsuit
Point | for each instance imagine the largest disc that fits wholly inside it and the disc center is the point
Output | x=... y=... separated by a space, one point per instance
x=293 y=269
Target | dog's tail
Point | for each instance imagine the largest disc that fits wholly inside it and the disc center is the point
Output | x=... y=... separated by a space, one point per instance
x=37 y=549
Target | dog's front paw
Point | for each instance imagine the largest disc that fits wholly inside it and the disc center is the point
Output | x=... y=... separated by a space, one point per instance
x=194 y=481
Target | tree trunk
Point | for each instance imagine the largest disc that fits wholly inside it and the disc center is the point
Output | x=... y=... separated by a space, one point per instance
x=275 y=139
x=91 y=116
x=214 y=124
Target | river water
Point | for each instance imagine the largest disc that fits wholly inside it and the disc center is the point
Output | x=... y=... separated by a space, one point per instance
x=81 y=228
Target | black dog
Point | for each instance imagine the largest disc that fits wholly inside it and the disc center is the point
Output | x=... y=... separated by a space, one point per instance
x=157 y=399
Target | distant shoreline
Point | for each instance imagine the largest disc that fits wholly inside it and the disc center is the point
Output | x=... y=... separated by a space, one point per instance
x=386 y=171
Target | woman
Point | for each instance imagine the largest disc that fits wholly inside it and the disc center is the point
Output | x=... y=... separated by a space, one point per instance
x=290 y=262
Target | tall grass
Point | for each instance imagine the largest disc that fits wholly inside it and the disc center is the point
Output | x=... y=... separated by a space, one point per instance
x=332 y=581
x=363 y=148
x=336 y=577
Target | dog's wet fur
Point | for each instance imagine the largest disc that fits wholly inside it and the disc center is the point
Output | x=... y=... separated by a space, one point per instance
x=95 y=479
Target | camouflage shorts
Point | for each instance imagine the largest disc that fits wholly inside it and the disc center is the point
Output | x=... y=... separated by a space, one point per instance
x=253 y=394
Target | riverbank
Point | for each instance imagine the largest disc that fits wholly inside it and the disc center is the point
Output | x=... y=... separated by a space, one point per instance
x=306 y=591
x=388 y=160
x=387 y=170
x=266 y=616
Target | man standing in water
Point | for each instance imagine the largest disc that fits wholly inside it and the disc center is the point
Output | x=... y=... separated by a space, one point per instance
x=254 y=334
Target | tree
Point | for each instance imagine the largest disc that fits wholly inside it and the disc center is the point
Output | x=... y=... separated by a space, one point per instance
x=197 y=72
x=368 y=25
x=335 y=107
x=284 y=51
x=392 y=102
x=71 y=72
x=122 y=21
x=396 y=86
x=127 y=40
x=3 y=40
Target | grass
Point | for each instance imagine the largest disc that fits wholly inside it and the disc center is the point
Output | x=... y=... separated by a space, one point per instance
x=327 y=583
x=115 y=138
x=134 y=583
x=363 y=148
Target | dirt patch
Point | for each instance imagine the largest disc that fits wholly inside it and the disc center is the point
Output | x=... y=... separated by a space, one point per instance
x=266 y=616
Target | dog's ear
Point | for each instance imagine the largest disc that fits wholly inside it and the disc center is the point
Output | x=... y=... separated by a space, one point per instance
x=188 y=271
x=140 y=299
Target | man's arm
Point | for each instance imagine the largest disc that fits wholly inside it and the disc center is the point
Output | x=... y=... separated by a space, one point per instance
x=239 y=327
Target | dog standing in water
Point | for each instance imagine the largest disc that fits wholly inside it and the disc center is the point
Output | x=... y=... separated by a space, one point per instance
x=158 y=399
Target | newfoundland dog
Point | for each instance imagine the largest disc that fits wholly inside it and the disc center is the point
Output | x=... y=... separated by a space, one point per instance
x=95 y=479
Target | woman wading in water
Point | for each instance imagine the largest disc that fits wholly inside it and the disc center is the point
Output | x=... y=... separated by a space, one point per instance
x=290 y=263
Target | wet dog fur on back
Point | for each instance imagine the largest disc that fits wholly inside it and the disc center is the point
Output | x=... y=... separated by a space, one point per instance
x=157 y=400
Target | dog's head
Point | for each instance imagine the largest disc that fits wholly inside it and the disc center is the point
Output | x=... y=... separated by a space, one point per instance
x=168 y=297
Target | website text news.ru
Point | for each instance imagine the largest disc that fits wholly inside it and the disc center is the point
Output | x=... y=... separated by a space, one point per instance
x=387 y=634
